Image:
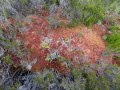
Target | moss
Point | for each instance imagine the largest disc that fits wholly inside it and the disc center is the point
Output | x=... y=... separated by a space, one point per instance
x=24 y=2
x=114 y=27
x=85 y=11
x=116 y=82
x=103 y=83
x=116 y=57
x=44 y=79
x=2 y=88
x=73 y=23
x=113 y=42
x=8 y=59
x=15 y=86
x=92 y=82
x=75 y=73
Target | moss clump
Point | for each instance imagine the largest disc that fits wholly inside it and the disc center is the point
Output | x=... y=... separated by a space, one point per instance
x=85 y=11
x=113 y=42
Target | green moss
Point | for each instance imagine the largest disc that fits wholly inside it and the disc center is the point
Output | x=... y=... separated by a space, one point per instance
x=75 y=73
x=46 y=6
x=2 y=88
x=116 y=57
x=104 y=37
x=113 y=42
x=73 y=23
x=103 y=83
x=114 y=27
x=85 y=11
x=24 y=2
x=14 y=86
x=97 y=82
x=8 y=60
x=20 y=25
x=116 y=82
x=92 y=81
x=43 y=79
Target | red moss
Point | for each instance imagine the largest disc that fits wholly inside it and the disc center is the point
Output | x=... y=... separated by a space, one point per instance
x=71 y=43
